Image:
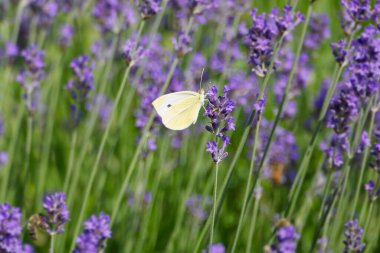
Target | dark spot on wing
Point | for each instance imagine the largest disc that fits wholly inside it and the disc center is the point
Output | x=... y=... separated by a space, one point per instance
x=169 y=105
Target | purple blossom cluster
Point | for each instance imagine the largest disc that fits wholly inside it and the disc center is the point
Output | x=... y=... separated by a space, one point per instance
x=360 y=82
x=148 y=8
x=201 y=10
x=66 y=33
x=56 y=213
x=182 y=44
x=113 y=15
x=10 y=230
x=372 y=189
x=215 y=248
x=265 y=31
x=96 y=232
x=32 y=75
x=80 y=86
x=361 y=10
x=353 y=237
x=218 y=110
x=286 y=240
x=44 y=11
x=132 y=53
x=336 y=151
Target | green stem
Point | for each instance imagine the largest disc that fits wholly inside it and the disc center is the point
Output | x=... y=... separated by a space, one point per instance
x=139 y=147
x=297 y=184
x=241 y=144
x=214 y=205
x=71 y=161
x=248 y=186
x=12 y=149
x=253 y=223
x=368 y=218
x=364 y=159
x=95 y=168
x=52 y=241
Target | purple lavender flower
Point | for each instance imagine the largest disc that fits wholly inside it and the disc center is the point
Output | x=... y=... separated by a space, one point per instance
x=11 y=50
x=148 y=8
x=31 y=77
x=343 y=109
x=264 y=33
x=372 y=190
x=218 y=110
x=244 y=90
x=112 y=15
x=10 y=229
x=81 y=85
x=319 y=31
x=182 y=44
x=65 y=35
x=57 y=213
x=353 y=236
x=375 y=152
x=286 y=240
x=339 y=51
x=132 y=54
x=96 y=232
x=365 y=141
x=361 y=10
x=215 y=248
x=44 y=11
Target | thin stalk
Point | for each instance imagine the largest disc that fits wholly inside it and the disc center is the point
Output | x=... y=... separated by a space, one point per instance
x=139 y=147
x=253 y=223
x=52 y=241
x=248 y=186
x=12 y=149
x=49 y=133
x=181 y=210
x=98 y=156
x=214 y=205
x=29 y=139
x=369 y=216
x=90 y=128
x=20 y=9
x=296 y=186
x=71 y=161
x=364 y=160
x=241 y=144
x=287 y=88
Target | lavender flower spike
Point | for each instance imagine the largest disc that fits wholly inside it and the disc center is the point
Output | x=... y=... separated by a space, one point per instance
x=286 y=240
x=57 y=213
x=81 y=85
x=353 y=233
x=218 y=110
x=215 y=248
x=96 y=231
x=10 y=229
x=148 y=8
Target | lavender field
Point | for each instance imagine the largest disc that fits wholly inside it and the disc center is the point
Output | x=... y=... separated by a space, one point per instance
x=189 y=126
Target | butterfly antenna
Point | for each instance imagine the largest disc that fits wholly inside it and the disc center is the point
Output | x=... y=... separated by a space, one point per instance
x=200 y=83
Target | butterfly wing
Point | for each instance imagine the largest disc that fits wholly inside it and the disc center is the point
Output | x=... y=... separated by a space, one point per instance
x=165 y=102
x=178 y=110
x=182 y=114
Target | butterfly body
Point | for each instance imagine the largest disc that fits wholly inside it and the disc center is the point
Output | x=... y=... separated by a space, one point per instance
x=179 y=110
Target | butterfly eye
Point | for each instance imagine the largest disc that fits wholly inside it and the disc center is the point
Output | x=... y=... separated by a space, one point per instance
x=169 y=105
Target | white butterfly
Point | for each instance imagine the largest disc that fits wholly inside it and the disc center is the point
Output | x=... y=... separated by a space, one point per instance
x=179 y=110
